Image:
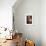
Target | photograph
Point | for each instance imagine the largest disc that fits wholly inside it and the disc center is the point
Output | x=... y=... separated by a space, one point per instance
x=29 y=19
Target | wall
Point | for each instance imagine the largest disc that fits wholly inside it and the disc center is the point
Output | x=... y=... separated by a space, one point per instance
x=43 y=22
x=29 y=31
x=6 y=13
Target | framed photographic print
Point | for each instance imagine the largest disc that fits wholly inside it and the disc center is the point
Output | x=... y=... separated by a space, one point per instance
x=28 y=19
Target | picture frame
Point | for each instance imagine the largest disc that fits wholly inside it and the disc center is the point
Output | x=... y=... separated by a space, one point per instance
x=28 y=19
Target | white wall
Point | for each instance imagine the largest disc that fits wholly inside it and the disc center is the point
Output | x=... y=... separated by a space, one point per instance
x=43 y=22
x=29 y=31
x=6 y=13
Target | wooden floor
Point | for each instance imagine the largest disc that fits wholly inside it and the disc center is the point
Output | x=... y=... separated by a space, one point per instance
x=9 y=43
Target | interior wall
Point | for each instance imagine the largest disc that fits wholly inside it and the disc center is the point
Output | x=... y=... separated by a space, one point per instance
x=43 y=22
x=29 y=31
x=6 y=13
